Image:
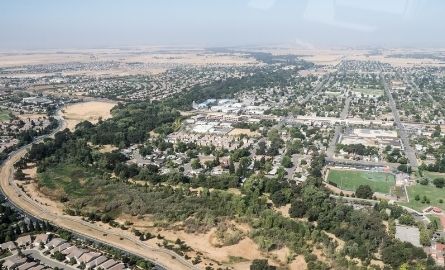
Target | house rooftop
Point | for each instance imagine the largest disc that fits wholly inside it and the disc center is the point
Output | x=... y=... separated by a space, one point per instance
x=14 y=261
x=108 y=264
x=119 y=266
x=41 y=238
x=24 y=240
x=56 y=242
x=27 y=266
x=8 y=245
x=87 y=257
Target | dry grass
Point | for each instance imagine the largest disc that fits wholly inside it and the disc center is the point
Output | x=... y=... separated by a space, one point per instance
x=243 y=131
x=91 y=111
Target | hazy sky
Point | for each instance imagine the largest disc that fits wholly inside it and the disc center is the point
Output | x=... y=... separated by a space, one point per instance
x=30 y=24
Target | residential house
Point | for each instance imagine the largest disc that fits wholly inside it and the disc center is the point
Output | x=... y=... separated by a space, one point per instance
x=38 y=267
x=41 y=239
x=88 y=257
x=76 y=253
x=55 y=243
x=95 y=262
x=24 y=241
x=108 y=264
x=27 y=266
x=61 y=248
x=14 y=261
x=119 y=266
x=11 y=246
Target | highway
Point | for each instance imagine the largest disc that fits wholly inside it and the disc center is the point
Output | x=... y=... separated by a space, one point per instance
x=409 y=151
x=162 y=257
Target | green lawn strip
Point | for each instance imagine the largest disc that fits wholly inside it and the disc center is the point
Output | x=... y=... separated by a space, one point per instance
x=351 y=180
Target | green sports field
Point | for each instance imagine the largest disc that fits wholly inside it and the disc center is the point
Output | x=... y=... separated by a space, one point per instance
x=351 y=179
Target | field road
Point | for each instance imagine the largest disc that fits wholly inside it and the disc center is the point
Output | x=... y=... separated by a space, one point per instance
x=160 y=256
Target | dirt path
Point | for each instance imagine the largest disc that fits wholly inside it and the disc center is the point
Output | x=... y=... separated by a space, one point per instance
x=163 y=257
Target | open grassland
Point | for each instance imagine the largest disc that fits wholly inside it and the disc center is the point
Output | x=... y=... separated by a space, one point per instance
x=68 y=179
x=433 y=194
x=433 y=175
x=352 y=179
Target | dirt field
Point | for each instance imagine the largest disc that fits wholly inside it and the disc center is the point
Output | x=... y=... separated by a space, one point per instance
x=91 y=111
x=153 y=60
x=237 y=256
x=245 y=131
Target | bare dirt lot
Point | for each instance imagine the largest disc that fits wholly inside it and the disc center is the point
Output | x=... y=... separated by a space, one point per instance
x=243 y=131
x=91 y=111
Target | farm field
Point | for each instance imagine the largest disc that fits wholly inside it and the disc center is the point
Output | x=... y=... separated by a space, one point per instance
x=433 y=194
x=352 y=179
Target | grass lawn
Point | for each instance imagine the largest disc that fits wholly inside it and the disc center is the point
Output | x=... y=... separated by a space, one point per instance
x=69 y=178
x=351 y=179
x=372 y=92
x=4 y=115
x=433 y=175
x=430 y=191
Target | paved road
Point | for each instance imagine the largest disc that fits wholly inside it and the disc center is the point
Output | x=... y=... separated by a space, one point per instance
x=317 y=88
x=163 y=257
x=409 y=151
x=337 y=131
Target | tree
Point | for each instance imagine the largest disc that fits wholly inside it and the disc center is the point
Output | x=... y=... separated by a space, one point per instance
x=279 y=198
x=424 y=181
x=231 y=167
x=195 y=164
x=404 y=168
x=439 y=182
x=59 y=256
x=407 y=219
x=19 y=175
x=297 y=209
x=287 y=162
x=364 y=192
x=261 y=265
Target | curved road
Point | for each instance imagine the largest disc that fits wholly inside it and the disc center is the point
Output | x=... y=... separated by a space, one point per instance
x=160 y=256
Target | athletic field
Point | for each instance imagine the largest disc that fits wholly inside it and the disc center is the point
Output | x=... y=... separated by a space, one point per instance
x=351 y=179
